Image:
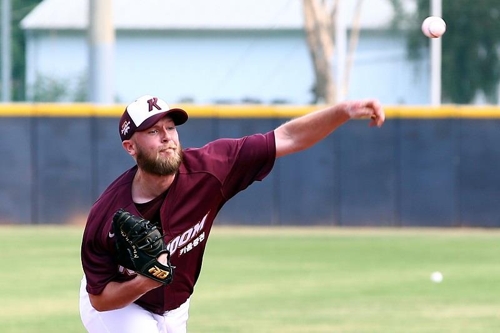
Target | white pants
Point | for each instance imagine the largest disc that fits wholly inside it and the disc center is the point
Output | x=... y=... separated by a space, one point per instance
x=131 y=319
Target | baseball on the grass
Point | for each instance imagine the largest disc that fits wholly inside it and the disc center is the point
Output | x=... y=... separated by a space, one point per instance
x=433 y=27
x=436 y=277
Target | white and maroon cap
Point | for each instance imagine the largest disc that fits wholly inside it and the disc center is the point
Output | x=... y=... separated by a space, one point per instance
x=144 y=112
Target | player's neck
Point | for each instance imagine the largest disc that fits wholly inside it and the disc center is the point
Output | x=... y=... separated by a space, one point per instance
x=146 y=187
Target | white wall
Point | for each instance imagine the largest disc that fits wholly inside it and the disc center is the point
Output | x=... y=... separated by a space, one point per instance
x=56 y=54
x=222 y=65
x=382 y=70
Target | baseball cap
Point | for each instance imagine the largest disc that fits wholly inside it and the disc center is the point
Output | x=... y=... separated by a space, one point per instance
x=146 y=111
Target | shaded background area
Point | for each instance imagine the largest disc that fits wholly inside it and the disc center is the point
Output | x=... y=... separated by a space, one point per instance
x=411 y=172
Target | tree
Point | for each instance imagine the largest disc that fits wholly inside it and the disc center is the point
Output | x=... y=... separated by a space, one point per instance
x=20 y=8
x=470 y=59
x=319 y=26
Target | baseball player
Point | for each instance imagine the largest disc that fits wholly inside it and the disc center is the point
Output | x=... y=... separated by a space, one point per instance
x=166 y=205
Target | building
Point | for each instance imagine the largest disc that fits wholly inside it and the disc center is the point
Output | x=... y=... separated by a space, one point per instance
x=218 y=51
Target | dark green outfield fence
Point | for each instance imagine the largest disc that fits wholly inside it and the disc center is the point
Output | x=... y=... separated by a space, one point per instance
x=425 y=167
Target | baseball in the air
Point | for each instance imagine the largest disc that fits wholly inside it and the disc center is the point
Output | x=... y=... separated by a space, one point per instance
x=436 y=277
x=433 y=27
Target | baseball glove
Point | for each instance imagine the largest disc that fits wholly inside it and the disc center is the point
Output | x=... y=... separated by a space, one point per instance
x=139 y=243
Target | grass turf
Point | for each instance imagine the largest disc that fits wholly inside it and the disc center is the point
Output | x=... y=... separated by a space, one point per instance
x=282 y=280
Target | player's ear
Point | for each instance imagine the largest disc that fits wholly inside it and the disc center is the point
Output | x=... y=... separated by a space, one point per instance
x=129 y=147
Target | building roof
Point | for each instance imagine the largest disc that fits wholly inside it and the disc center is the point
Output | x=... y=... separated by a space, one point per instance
x=196 y=14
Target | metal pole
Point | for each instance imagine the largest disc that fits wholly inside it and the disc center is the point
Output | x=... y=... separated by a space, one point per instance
x=436 y=10
x=341 y=48
x=6 y=51
x=101 y=52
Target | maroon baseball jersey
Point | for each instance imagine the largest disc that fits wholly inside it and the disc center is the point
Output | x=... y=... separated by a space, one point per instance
x=208 y=177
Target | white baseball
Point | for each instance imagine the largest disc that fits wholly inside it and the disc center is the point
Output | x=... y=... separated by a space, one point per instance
x=436 y=277
x=433 y=27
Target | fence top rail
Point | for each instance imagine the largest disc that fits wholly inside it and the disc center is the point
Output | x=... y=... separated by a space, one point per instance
x=241 y=111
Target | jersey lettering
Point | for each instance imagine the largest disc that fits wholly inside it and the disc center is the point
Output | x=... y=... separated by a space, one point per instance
x=192 y=244
x=188 y=236
x=126 y=271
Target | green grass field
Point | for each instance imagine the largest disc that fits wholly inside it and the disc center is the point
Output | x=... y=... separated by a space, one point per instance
x=282 y=280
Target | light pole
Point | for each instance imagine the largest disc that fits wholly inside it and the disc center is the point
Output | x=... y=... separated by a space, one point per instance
x=101 y=52
x=436 y=10
x=6 y=48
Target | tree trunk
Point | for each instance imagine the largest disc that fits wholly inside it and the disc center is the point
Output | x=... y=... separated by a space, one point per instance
x=319 y=26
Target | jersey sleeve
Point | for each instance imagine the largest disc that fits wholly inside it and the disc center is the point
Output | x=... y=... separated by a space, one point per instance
x=98 y=262
x=253 y=160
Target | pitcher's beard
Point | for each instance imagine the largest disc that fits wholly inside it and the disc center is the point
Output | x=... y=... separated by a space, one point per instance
x=159 y=165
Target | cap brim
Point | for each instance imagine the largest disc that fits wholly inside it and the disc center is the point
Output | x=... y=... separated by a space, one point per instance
x=179 y=117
